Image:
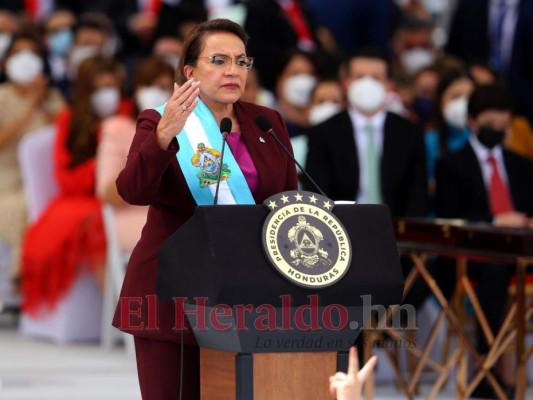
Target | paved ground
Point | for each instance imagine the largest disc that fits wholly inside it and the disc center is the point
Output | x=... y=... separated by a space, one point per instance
x=38 y=370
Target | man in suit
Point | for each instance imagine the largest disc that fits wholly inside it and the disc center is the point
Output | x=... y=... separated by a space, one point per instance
x=365 y=153
x=485 y=183
x=498 y=33
x=464 y=181
x=370 y=155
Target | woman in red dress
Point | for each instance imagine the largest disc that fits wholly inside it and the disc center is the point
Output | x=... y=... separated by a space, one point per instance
x=69 y=233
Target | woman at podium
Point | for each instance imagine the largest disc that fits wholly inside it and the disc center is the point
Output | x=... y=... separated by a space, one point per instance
x=173 y=166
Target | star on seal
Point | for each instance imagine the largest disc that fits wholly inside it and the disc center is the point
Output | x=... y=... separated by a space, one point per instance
x=304 y=240
x=272 y=204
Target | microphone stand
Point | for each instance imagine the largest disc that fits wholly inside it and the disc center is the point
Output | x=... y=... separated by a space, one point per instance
x=273 y=134
x=224 y=134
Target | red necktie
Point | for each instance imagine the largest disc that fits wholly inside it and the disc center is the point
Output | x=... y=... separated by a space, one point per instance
x=299 y=24
x=500 y=199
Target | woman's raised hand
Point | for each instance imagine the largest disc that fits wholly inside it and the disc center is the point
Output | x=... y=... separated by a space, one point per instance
x=179 y=107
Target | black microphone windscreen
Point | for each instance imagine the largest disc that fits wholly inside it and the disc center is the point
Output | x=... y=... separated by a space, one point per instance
x=225 y=125
x=263 y=123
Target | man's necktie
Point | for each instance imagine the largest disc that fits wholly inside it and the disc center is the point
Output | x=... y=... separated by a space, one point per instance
x=500 y=199
x=372 y=167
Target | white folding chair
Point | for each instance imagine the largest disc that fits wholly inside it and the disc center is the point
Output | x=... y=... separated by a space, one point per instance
x=117 y=260
x=36 y=161
x=77 y=317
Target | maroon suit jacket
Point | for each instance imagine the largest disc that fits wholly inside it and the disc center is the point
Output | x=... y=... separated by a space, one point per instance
x=152 y=176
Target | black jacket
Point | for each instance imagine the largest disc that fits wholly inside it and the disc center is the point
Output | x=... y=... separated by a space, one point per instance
x=461 y=192
x=333 y=162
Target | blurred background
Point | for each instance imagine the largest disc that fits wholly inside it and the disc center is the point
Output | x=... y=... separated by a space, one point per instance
x=83 y=70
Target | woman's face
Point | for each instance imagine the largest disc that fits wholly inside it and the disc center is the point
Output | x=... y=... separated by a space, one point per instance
x=24 y=65
x=329 y=91
x=105 y=79
x=298 y=65
x=460 y=88
x=164 y=82
x=220 y=83
x=24 y=45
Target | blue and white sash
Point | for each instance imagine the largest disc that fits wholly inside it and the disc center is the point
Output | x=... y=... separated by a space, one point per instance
x=200 y=144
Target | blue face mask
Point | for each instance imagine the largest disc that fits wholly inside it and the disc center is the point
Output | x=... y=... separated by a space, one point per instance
x=59 y=42
x=423 y=107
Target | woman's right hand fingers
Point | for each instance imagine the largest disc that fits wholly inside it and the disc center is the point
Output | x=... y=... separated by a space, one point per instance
x=183 y=92
x=178 y=109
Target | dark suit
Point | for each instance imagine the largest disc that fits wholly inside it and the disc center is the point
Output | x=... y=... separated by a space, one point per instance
x=152 y=176
x=272 y=37
x=461 y=193
x=333 y=162
x=469 y=40
x=357 y=24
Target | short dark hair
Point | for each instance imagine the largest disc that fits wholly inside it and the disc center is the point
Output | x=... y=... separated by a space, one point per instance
x=97 y=21
x=448 y=79
x=30 y=37
x=489 y=97
x=149 y=70
x=366 y=52
x=194 y=42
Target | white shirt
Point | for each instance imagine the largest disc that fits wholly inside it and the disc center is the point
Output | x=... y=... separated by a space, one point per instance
x=482 y=154
x=509 y=25
x=359 y=123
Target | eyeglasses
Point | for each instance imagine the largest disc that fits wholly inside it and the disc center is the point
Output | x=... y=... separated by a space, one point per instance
x=223 y=60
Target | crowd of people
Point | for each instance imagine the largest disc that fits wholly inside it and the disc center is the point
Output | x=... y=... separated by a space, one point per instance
x=425 y=106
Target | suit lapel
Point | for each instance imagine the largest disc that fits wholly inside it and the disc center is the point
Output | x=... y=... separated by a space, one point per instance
x=478 y=190
x=388 y=158
x=347 y=149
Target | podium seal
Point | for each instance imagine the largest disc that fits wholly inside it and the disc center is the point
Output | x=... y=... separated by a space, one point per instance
x=304 y=240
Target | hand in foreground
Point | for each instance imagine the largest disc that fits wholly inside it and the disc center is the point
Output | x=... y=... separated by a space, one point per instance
x=348 y=386
x=179 y=107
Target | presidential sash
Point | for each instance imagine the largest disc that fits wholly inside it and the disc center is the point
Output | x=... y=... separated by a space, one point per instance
x=200 y=142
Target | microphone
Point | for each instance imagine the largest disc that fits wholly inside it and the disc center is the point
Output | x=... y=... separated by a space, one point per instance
x=225 y=129
x=264 y=124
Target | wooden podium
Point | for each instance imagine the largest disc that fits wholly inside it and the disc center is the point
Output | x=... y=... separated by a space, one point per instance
x=275 y=375
x=217 y=256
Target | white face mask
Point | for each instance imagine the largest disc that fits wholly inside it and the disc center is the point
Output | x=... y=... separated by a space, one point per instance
x=151 y=97
x=105 y=101
x=367 y=94
x=23 y=67
x=455 y=112
x=323 y=111
x=415 y=59
x=5 y=41
x=79 y=54
x=297 y=89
